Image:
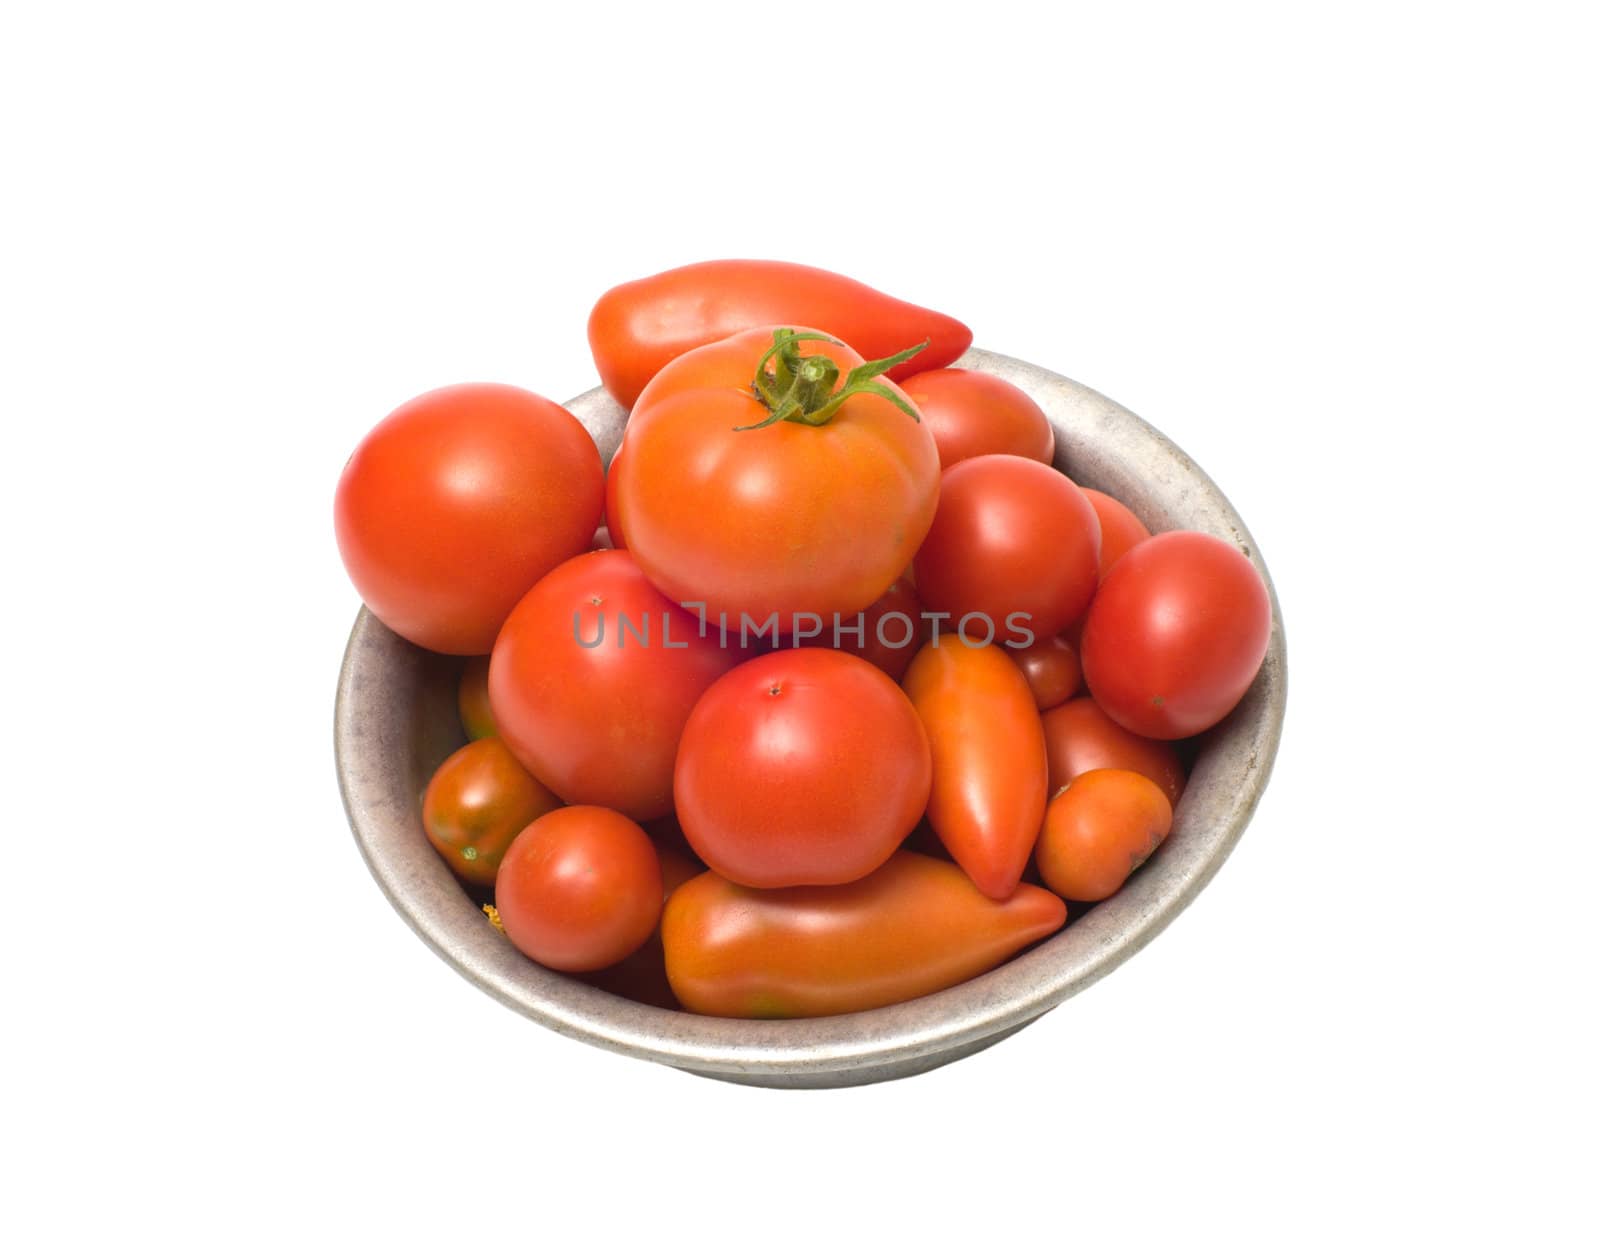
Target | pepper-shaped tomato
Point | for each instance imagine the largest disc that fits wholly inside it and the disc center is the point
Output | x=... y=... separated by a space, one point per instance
x=760 y=483
x=989 y=765
x=914 y=926
x=636 y=328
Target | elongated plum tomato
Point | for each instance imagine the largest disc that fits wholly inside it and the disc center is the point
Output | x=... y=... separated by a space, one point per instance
x=580 y=889
x=478 y=800
x=1099 y=830
x=1015 y=545
x=972 y=413
x=1120 y=529
x=803 y=767
x=1176 y=635
x=592 y=679
x=1079 y=737
x=459 y=501
x=785 y=495
x=914 y=926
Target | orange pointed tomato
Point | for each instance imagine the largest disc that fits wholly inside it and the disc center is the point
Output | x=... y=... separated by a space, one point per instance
x=743 y=504
x=1120 y=529
x=989 y=768
x=638 y=327
x=1099 y=830
x=1079 y=737
x=972 y=413
x=478 y=800
x=915 y=926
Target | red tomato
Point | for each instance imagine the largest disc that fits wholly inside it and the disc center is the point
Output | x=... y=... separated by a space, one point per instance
x=459 y=501
x=478 y=800
x=1099 y=830
x=472 y=699
x=1079 y=737
x=613 y=516
x=1176 y=635
x=972 y=413
x=592 y=679
x=785 y=518
x=1119 y=528
x=1015 y=543
x=891 y=630
x=803 y=767
x=580 y=889
x=642 y=976
x=1052 y=669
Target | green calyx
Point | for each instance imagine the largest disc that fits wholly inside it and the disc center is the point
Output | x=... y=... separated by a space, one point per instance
x=801 y=388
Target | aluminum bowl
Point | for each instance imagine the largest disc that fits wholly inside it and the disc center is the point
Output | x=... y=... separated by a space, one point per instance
x=395 y=720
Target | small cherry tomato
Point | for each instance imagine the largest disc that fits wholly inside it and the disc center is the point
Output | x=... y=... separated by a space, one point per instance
x=1119 y=528
x=472 y=699
x=580 y=889
x=1052 y=669
x=1176 y=635
x=803 y=767
x=1079 y=737
x=972 y=413
x=480 y=799
x=1014 y=546
x=1099 y=830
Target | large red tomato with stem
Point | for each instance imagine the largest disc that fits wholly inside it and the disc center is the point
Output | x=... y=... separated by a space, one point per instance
x=803 y=767
x=459 y=501
x=1176 y=634
x=592 y=679
x=775 y=473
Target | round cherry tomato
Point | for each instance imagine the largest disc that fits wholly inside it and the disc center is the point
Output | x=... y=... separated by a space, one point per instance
x=1015 y=544
x=803 y=767
x=592 y=679
x=724 y=504
x=1119 y=528
x=459 y=501
x=1079 y=737
x=472 y=699
x=480 y=799
x=1052 y=669
x=972 y=413
x=1176 y=635
x=1099 y=830
x=580 y=889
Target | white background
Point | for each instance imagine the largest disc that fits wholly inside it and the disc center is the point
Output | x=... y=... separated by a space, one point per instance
x=1344 y=255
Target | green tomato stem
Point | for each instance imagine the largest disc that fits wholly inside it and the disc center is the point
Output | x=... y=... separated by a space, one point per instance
x=801 y=388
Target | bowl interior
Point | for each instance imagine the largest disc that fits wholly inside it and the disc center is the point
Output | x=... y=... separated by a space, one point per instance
x=395 y=721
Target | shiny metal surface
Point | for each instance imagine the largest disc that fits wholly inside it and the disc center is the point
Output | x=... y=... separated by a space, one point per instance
x=395 y=721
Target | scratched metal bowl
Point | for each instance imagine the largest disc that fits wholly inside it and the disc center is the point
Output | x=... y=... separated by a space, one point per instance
x=395 y=720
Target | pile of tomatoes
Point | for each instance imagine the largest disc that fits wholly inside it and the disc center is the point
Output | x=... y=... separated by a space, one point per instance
x=784 y=714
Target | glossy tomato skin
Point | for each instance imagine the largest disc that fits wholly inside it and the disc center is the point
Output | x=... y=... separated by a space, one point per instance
x=1011 y=536
x=458 y=502
x=580 y=889
x=478 y=800
x=1176 y=635
x=989 y=767
x=613 y=514
x=638 y=327
x=472 y=699
x=972 y=413
x=1099 y=830
x=915 y=926
x=592 y=680
x=642 y=976
x=772 y=522
x=1120 y=529
x=887 y=633
x=803 y=767
x=1052 y=669
x=1079 y=737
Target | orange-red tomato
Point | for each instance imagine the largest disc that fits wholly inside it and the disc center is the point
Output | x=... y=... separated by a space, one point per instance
x=803 y=767
x=972 y=413
x=772 y=520
x=1052 y=669
x=472 y=699
x=1014 y=543
x=579 y=889
x=1119 y=528
x=1079 y=737
x=613 y=513
x=459 y=501
x=1099 y=830
x=989 y=769
x=478 y=800
x=915 y=926
x=592 y=679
